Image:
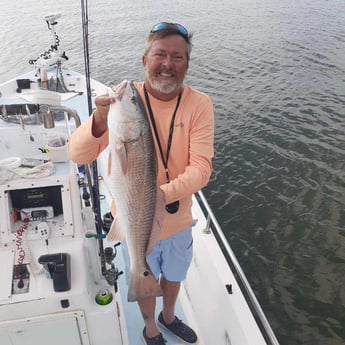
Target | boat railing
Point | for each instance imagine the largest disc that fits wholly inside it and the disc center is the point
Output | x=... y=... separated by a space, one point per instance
x=213 y=225
x=37 y=114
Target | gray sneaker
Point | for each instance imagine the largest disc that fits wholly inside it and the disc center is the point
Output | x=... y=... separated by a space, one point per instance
x=180 y=329
x=158 y=340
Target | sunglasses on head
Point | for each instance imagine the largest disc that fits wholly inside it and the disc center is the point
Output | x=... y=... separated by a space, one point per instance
x=164 y=26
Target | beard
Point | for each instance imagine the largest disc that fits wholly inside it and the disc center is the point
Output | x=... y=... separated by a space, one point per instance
x=166 y=86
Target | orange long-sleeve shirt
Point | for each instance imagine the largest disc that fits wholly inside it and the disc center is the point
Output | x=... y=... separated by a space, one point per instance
x=191 y=153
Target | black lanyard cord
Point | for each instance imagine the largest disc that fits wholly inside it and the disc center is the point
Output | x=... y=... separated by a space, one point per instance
x=171 y=131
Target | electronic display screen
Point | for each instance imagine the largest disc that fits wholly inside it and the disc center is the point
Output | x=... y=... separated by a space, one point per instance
x=36 y=198
x=39 y=214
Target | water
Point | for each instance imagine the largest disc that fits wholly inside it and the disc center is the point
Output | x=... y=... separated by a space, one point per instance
x=276 y=73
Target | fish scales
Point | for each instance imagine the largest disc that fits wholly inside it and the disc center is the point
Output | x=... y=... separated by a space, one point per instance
x=133 y=174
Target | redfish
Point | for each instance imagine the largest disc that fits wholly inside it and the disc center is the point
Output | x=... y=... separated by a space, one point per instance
x=133 y=186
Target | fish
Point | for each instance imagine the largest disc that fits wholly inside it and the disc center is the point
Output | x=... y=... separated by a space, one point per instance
x=132 y=174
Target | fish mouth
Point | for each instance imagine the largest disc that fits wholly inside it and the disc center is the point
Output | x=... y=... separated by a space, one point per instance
x=120 y=89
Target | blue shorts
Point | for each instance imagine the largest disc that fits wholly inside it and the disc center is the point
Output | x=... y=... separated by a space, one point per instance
x=170 y=257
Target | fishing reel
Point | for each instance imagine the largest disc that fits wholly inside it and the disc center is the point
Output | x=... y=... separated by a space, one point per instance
x=111 y=274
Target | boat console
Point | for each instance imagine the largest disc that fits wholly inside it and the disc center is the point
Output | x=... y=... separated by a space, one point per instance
x=53 y=281
x=49 y=253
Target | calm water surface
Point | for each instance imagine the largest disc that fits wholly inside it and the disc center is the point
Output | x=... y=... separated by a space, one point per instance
x=276 y=73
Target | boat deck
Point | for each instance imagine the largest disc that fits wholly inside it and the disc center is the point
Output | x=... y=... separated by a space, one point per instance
x=135 y=323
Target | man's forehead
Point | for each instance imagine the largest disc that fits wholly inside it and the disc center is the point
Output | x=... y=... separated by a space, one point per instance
x=171 y=43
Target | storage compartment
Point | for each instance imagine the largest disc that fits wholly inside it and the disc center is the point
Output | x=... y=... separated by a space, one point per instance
x=55 y=329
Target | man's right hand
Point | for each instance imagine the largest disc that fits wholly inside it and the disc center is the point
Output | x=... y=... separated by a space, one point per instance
x=100 y=116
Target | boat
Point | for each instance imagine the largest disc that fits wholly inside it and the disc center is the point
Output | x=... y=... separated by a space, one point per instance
x=62 y=281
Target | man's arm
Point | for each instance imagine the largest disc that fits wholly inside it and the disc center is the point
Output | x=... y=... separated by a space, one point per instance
x=91 y=138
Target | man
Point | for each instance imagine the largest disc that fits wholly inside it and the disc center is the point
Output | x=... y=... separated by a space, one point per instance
x=182 y=122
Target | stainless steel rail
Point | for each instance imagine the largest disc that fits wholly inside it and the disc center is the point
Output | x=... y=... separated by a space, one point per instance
x=70 y=111
x=214 y=226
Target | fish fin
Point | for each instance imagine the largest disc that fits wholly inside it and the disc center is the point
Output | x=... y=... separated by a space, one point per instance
x=115 y=233
x=122 y=156
x=143 y=285
x=158 y=219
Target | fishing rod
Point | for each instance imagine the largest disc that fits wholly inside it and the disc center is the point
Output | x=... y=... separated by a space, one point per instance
x=93 y=182
x=85 y=24
x=108 y=254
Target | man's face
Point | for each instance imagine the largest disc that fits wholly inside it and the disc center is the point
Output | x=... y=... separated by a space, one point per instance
x=165 y=65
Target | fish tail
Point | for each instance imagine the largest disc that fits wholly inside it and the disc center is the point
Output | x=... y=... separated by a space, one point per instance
x=143 y=286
